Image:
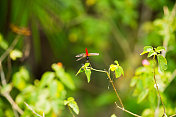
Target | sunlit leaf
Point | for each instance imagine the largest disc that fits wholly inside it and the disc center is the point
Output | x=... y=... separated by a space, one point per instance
x=14 y=54
x=87 y=64
x=24 y=73
x=72 y=103
x=151 y=53
x=80 y=70
x=143 y=95
x=88 y=74
x=55 y=88
x=18 y=81
x=64 y=77
x=133 y=82
x=47 y=78
x=3 y=43
x=113 y=67
x=147 y=49
x=116 y=62
x=113 y=115
x=159 y=49
x=162 y=62
x=119 y=71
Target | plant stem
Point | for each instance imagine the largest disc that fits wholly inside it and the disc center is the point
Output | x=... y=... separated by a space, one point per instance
x=29 y=107
x=127 y=111
x=6 y=94
x=172 y=115
x=71 y=112
x=157 y=87
x=5 y=54
x=111 y=84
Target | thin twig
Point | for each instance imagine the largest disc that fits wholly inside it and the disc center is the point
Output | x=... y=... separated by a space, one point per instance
x=29 y=107
x=157 y=87
x=71 y=111
x=3 y=80
x=127 y=111
x=122 y=108
x=5 y=54
x=6 y=94
x=14 y=105
x=172 y=115
x=111 y=84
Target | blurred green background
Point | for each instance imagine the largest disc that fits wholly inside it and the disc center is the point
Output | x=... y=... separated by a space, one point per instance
x=61 y=29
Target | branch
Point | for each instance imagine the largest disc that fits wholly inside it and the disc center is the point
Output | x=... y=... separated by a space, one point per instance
x=6 y=94
x=127 y=111
x=122 y=108
x=5 y=54
x=12 y=102
x=110 y=80
x=29 y=107
x=157 y=87
x=172 y=115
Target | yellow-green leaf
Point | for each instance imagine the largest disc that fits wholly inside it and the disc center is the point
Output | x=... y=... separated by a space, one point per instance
x=3 y=43
x=143 y=95
x=14 y=54
x=162 y=62
x=159 y=49
x=147 y=49
x=80 y=70
x=72 y=104
x=113 y=67
x=151 y=53
x=88 y=74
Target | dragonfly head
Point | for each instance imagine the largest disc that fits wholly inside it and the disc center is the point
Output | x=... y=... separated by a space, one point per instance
x=87 y=58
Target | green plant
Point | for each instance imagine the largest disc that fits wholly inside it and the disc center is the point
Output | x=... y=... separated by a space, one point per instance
x=117 y=70
x=46 y=97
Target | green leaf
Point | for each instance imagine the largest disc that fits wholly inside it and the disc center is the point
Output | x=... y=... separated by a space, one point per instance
x=162 y=62
x=116 y=62
x=147 y=49
x=113 y=115
x=72 y=104
x=80 y=70
x=64 y=77
x=47 y=78
x=88 y=74
x=55 y=88
x=24 y=73
x=14 y=54
x=133 y=82
x=18 y=81
x=151 y=53
x=3 y=43
x=87 y=64
x=113 y=67
x=118 y=72
x=121 y=69
x=159 y=49
x=143 y=95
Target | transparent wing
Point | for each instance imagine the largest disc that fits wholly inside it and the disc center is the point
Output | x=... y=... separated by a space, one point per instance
x=80 y=58
x=80 y=55
x=93 y=54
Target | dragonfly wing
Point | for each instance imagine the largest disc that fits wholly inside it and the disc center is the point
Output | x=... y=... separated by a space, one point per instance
x=80 y=58
x=93 y=54
x=80 y=55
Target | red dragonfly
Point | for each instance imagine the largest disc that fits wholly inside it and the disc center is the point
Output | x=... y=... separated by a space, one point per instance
x=86 y=55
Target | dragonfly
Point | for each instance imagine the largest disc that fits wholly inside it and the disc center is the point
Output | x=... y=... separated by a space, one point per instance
x=85 y=55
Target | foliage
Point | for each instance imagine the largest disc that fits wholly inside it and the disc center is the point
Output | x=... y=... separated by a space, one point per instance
x=57 y=30
x=46 y=95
